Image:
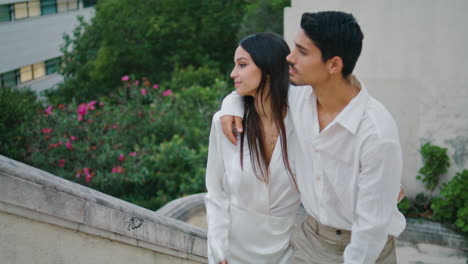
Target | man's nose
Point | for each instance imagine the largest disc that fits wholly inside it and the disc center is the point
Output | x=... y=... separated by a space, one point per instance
x=290 y=58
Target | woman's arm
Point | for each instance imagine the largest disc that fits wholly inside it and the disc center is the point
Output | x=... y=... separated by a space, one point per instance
x=217 y=198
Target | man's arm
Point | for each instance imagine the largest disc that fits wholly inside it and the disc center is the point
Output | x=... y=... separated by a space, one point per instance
x=378 y=188
x=232 y=111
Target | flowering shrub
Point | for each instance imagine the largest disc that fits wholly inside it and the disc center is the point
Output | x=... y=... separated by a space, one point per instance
x=144 y=143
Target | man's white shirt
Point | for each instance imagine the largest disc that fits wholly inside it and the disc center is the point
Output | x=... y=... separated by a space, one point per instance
x=349 y=173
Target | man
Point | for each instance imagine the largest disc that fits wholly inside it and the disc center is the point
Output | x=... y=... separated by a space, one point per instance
x=349 y=163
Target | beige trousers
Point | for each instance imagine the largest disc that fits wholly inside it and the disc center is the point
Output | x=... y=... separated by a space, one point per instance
x=314 y=243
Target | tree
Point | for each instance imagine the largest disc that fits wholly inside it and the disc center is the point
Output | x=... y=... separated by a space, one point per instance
x=147 y=38
x=263 y=16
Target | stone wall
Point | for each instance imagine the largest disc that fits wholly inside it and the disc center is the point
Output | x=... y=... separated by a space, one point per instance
x=46 y=219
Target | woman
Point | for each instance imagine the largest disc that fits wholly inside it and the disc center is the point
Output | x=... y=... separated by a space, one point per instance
x=252 y=198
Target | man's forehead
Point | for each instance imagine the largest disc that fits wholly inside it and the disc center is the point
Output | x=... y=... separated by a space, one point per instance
x=302 y=40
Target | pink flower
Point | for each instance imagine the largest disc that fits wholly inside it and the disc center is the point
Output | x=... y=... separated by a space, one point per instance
x=78 y=174
x=69 y=145
x=118 y=169
x=61 y=163
x=48 y=110
x=114 y=126
x=137 y=82
x=143 y=91
x=82 y=110
x=72 y=138
x=156 y=86
x=46 y=130
x=132 y=154
x=167 y=92
x=101 y=104
x=91 y=105
x=60 y=143
x=125 y=78
x=121 y=157
x=88 y=178
x=128 y=85
x=86 y=171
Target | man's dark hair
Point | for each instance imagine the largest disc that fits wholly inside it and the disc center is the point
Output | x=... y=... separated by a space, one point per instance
x=335 y=34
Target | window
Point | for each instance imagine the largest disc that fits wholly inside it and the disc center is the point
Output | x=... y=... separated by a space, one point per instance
x=27 y=9
x=67 y=5
x=52 y=66
x=48 y=7
x=34 y=7
x=26 y=74
x=21 y=10
x=29 y=73
x=5 y=13
x=89 y=3
x=9 y=79
x=32 y=72
x=39 y=70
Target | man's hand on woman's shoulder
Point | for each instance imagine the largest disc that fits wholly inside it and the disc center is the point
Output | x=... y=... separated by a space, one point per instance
x=232 y=126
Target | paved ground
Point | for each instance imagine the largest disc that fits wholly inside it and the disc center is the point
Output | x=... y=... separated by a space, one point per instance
x=421 y=253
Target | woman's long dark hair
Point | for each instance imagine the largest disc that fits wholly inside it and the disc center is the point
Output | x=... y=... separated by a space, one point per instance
x=268 y=52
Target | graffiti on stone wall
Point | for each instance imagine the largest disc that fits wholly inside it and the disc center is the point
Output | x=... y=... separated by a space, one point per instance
x=134 y=223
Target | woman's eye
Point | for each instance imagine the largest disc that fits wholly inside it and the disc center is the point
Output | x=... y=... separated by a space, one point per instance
x=242 y=65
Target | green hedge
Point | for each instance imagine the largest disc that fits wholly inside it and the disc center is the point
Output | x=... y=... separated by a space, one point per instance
x=17 y=106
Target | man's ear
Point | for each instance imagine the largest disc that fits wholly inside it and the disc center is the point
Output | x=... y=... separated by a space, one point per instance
x=335 y=65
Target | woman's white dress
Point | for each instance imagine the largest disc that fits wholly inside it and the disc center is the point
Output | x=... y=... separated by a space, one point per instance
x=249 y=221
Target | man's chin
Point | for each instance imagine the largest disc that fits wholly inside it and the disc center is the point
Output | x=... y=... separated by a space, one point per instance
x=295 y=82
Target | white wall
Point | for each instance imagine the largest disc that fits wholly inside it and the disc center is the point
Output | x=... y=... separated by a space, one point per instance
x=414 y=60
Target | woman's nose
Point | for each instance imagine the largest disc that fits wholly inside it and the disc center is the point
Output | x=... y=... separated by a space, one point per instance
x=233 y=73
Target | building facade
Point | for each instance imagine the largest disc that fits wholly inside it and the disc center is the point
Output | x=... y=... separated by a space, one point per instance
x=31 y=38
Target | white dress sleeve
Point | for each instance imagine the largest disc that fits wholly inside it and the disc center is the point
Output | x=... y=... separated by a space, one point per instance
x=217 y=199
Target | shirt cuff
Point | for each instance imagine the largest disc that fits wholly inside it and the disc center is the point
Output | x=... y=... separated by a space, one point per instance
x=232 y=105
